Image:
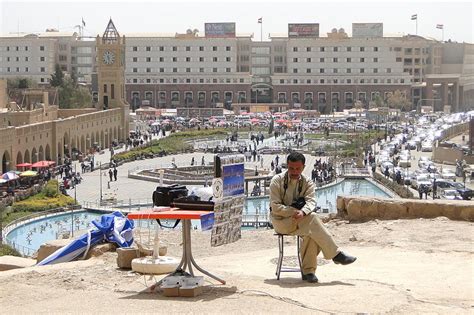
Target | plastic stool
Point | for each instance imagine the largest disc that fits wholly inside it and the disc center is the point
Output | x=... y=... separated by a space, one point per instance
x=280 y=268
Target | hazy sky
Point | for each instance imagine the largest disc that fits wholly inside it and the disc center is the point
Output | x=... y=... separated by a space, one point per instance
x=178 y=16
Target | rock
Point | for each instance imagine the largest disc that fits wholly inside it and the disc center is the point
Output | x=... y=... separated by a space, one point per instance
x=50 y=247
x=13 y=262
x=353 y=238
x=100 y=249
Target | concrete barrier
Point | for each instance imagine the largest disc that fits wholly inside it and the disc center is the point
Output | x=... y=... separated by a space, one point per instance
x=368 y=208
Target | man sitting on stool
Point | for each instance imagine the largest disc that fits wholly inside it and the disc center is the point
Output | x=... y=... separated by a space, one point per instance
x=292 y=200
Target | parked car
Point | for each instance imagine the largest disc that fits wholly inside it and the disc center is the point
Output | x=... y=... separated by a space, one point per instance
x=426 y=147
x=466 y=193
x=450 y=194
x=421 y=180
x=448 y=174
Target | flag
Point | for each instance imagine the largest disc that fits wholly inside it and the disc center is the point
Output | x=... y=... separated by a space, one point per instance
x=414 y=17
x=260 y=20
x=440 y=26
x=83 y=23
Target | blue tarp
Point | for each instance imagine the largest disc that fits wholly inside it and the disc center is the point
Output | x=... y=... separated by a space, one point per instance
x=113 y=228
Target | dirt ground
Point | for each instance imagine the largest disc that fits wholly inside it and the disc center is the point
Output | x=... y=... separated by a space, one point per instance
x=403 y=267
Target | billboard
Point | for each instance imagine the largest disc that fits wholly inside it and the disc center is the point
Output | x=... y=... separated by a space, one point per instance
x=367 y=29
x=219 y=30
x=303 y=30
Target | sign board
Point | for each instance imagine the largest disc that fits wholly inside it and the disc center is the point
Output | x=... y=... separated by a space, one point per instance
x=219 y=30
x=367 y=29
x=228 y=188
x=303 y=30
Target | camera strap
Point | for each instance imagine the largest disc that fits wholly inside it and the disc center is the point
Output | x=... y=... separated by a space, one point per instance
x=285 y=185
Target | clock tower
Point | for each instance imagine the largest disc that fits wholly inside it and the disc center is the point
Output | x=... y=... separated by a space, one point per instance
x=111 y=69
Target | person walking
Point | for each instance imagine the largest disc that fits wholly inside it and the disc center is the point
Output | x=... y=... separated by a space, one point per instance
x=115 y=173
x=292 y=201
x=110 y=174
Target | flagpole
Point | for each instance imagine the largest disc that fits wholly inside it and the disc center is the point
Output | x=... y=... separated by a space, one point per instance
x=417 y=25
x=261 y=31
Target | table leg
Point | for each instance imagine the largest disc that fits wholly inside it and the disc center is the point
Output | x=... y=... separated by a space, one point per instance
x=189 y=255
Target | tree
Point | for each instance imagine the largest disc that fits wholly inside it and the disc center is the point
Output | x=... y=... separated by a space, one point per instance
x=398 y=100
x=21 y=83
x=73 y=96
x=57 y=78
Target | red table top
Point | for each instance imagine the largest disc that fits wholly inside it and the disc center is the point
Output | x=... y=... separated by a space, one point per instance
x=173 y=213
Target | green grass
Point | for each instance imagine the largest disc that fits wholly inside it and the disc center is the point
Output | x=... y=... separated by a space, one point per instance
x=48 y=198
x=7 y=250
x=12 y=216
x=173 y=144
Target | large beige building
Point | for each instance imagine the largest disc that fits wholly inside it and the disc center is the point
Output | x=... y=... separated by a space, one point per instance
x=34 y=129
x=302 y=68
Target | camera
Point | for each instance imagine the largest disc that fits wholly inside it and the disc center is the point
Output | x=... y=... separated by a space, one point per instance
x=299 y=203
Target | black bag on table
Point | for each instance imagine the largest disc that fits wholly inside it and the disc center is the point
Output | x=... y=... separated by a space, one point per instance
x=164 y=195
x=192 y=203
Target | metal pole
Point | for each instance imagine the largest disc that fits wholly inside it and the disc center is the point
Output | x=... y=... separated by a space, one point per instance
x=100 y=180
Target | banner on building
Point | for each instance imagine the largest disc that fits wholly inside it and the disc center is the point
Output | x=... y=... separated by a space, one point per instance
x=367 y=29
x=303 y=30
x=219 y=30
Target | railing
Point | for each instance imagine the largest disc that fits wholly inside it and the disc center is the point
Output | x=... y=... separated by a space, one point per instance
x=118 y=205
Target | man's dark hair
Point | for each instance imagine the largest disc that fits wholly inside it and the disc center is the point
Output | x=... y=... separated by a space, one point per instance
x=295 y=157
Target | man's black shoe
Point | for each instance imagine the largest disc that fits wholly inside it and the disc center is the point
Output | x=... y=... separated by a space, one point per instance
x=310 y=277
x=343 y=259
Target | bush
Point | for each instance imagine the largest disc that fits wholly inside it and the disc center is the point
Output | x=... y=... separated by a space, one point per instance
x=400 y=190
x=51 y=189
x=7 y=250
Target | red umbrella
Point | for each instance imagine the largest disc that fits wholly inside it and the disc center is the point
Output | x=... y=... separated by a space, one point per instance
x=25 y=165
x=42 y=164
x=255 y=120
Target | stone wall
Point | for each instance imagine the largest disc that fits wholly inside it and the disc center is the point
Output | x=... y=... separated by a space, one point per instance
x=367 y=208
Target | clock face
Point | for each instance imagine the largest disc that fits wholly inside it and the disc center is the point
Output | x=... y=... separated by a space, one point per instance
x=108 y=57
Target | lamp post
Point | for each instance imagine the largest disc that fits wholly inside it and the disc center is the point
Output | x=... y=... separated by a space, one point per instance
x=100 y=180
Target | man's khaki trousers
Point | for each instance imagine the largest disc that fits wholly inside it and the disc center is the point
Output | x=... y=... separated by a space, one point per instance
x=315 y=238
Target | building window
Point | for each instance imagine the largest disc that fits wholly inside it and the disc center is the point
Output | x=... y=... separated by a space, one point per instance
x=162 y=69
x=162 y=48
x=214 y=48
x=295 y=70
x=349 y=49
x=188 y=48
x=295 y=49
x=308 y=70
x=308 y=59
x=376 y=70
x=188 y=69
x=321 y=70
x=201 y=69
x=42 y=69
x=201 y=59
x=362 y=59
x=348 y=70
x=175 y=48
x=334 y=70
x=175 y=59
x=214 y=69
x=148 y=70
x=41 y=48
x=135 y=70
x=295 y=59
x=376 y=49
x=214 y=59
x=308 y=49
x=227 y=69
x=227 y=48
x=362 y=48
x=148 y=48
x=321 y=49
x=201 y=48
x=175 y=69
x=308 y=81
x=295 y=81
x=112 y=91
x=148 y=59
x=188 y=59
x=105 y=88
x=376 y=59
x=135 y=48
x=389 y=70
x=321 y=60
x=362 y=70
x=135 y=59
x=321 y=81
x=334 y=59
